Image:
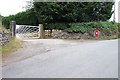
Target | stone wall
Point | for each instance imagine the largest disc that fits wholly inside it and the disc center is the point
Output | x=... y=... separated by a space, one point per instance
x=4 y=38
x=64 y=35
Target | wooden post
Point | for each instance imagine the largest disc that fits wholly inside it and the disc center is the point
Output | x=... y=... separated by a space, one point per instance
x=41 y=31
x=13 y=28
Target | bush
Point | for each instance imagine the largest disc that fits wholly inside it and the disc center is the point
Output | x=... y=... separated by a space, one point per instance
x=106 y=28
x=6 y=21
x=59 y=26
x=118 y=30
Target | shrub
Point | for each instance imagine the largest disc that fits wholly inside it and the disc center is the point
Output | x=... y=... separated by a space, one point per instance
x=59 y=26
x=106 y=28
x=118 y=30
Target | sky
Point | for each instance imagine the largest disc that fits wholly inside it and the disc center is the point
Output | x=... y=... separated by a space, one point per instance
x=11 y=7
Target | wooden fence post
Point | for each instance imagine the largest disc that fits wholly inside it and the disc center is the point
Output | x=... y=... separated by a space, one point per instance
x=41 y=31
x=13 y=28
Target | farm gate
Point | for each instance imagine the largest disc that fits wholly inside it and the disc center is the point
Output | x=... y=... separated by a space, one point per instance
x=29 y=32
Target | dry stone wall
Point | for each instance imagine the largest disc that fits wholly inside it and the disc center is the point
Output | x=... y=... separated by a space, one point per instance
x=64 y=35
x=4 y=38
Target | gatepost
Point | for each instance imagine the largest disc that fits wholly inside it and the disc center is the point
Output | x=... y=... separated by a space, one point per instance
x=41 y=31
x=13 y=28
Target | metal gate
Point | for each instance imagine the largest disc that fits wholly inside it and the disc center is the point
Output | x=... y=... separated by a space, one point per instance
x=27 y=31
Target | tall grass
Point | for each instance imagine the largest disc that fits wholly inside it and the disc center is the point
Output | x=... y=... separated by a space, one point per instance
x=11 y=46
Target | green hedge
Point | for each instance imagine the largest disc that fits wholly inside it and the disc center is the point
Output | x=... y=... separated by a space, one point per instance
x=59 y=26
x=106 y=28
x=119 y=30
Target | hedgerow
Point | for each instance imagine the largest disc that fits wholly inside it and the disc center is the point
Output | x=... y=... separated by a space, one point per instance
x=106 y=28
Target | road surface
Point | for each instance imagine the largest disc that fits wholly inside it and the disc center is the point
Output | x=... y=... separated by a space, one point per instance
x=97 y=59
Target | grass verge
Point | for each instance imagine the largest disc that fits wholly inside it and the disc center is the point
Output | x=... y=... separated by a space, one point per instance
x=11 y=46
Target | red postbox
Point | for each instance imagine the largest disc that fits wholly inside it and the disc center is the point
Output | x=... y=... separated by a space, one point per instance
x=96 y=33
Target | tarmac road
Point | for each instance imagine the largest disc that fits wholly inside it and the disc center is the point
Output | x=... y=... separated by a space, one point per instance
x=97 y=59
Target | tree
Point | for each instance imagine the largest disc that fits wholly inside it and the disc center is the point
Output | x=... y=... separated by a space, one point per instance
x=27 y=17
x=6 y=21
x=66 y=12
x=62 y=12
